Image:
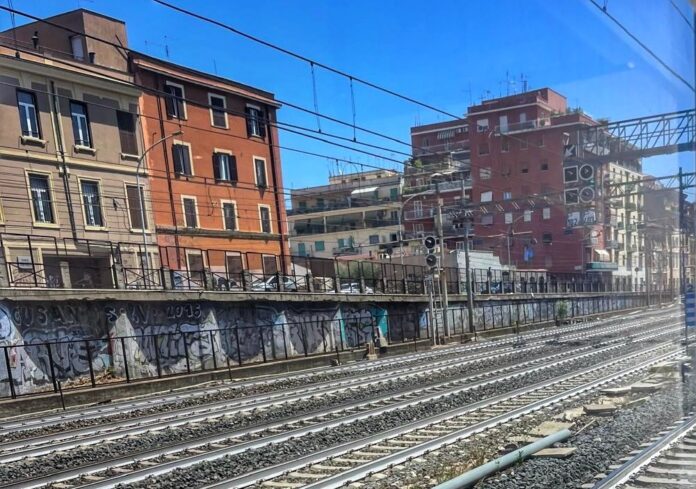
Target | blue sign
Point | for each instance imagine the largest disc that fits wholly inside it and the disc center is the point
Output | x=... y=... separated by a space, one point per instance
x=690 y=307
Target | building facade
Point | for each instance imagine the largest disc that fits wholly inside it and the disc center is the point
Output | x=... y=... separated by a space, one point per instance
x=216 y=178
x=69 y=145
x=355 y=215
x=537 y=199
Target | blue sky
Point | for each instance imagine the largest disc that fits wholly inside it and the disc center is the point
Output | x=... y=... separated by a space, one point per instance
x=447 y=53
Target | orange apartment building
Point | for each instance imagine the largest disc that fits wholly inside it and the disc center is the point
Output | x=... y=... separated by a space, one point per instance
x=217 y=187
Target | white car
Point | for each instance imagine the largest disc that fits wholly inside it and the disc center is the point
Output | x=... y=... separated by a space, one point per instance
x=354 y=288
x=271 y=285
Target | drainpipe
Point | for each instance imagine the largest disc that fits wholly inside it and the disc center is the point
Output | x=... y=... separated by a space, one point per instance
x=169 y=180
x=470 y=478
x=274 y=171
x=55 y=113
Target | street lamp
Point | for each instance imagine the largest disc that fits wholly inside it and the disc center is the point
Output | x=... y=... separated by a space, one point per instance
x=146 y=260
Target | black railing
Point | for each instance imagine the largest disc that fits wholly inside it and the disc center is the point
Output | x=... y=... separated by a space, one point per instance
x=31 y=368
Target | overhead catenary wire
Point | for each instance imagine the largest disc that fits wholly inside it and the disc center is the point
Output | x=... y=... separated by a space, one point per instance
x=637 y=40
x=302 y=57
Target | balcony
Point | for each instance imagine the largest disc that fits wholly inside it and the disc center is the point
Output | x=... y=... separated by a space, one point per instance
x=620 y=225
x=631 y=228
x=522 y=126
x=415 y=214
x=346 y=250
x=612 y=244
x=601 y=266
x=633 y=248
x=355 y=203
x=443 y=187
x=631 y=206
x=447 y=147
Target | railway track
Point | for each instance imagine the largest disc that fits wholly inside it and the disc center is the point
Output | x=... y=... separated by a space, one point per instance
x=668 y=461
x=389 y=366
x=36 y=446
x=136 y=468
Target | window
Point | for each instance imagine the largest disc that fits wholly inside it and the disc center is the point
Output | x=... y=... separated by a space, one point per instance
x=504 y=145
x=190 y=213
x=235 y=264
x=527 y=216
x=507 y=195
x=176 y=107
x=540 y=141
x=134 y=198
x=524 y=168
x=91 y=202
x=394 y=194
x=487 y=196
x=508 y=218
x=265 y=217
x=417 y=209
x=546 y=213
x=28 y=114
x=80 y=123
x=483 y=149
x=260 y=172
x=341 y=243
x=544 y=165
x=301 y=249
x=547 y=238
x=256 y=125
x=319 y=246
x=487 y=220
x=182 y=159
x=523 y=142
x=218 y=110
x=42 y=203
x=485 y=173
x=78 y=48
x=302 y=204
x=374 y=239
x=320 y=203
x=225 y=167
x=482 y=125
x=229 y=216
x=503 y=123
x=126 y=132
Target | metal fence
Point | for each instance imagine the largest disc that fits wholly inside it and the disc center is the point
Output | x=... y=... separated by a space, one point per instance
x=30 y=368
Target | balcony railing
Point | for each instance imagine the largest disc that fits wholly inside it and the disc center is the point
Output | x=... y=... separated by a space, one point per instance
x=612 y=244
x=356 y=203
x=601 y=266
x=416 y=214
x=443 y=187
x=632 y=227
x=631 y=206
x=442 y=148
x=523 y=126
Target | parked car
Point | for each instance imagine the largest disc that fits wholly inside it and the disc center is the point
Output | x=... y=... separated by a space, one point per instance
x=354 y=288
x=271 y=284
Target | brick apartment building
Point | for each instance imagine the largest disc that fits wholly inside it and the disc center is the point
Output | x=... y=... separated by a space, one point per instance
x=214 y=185
x=217 y=187
x=538 y=198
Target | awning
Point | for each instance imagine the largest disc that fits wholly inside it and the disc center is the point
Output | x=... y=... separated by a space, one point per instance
x=365 y=190
x=602 y=253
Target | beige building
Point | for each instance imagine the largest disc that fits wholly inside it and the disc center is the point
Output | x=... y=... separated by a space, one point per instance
x=69 y=147
x=356 y=215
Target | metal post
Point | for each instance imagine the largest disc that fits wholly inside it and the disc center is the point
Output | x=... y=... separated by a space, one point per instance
x=60 y=392
x=443 y=270
x=51 y=367
x=89 y=362
x=212 y=348
x=10 y=379
x=469 y=288
x=186 y=352
x=157 y=357
x=239 y=351
x=125 y=359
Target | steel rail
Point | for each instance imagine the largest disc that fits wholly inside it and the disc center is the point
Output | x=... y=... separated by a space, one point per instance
x=645 y=457
x=14 y=450
x=276 y=438
x=407 y=454
x=67 y=440
x=102 y=411
x=162 y=468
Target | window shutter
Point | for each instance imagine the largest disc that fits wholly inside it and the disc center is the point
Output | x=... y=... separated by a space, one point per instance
x=169 y=102
x=216 y=166
x=250 y=131
x=233 y=168
x=262 y=124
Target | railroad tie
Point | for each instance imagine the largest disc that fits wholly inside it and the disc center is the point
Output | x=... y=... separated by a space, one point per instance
x=283 y=485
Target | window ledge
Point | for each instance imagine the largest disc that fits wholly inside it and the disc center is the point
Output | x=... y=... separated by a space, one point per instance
x=96 y=228
x=84 y=149
x=139 y=231
x=51 y=225
x=33 y=141
x=130 y=157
